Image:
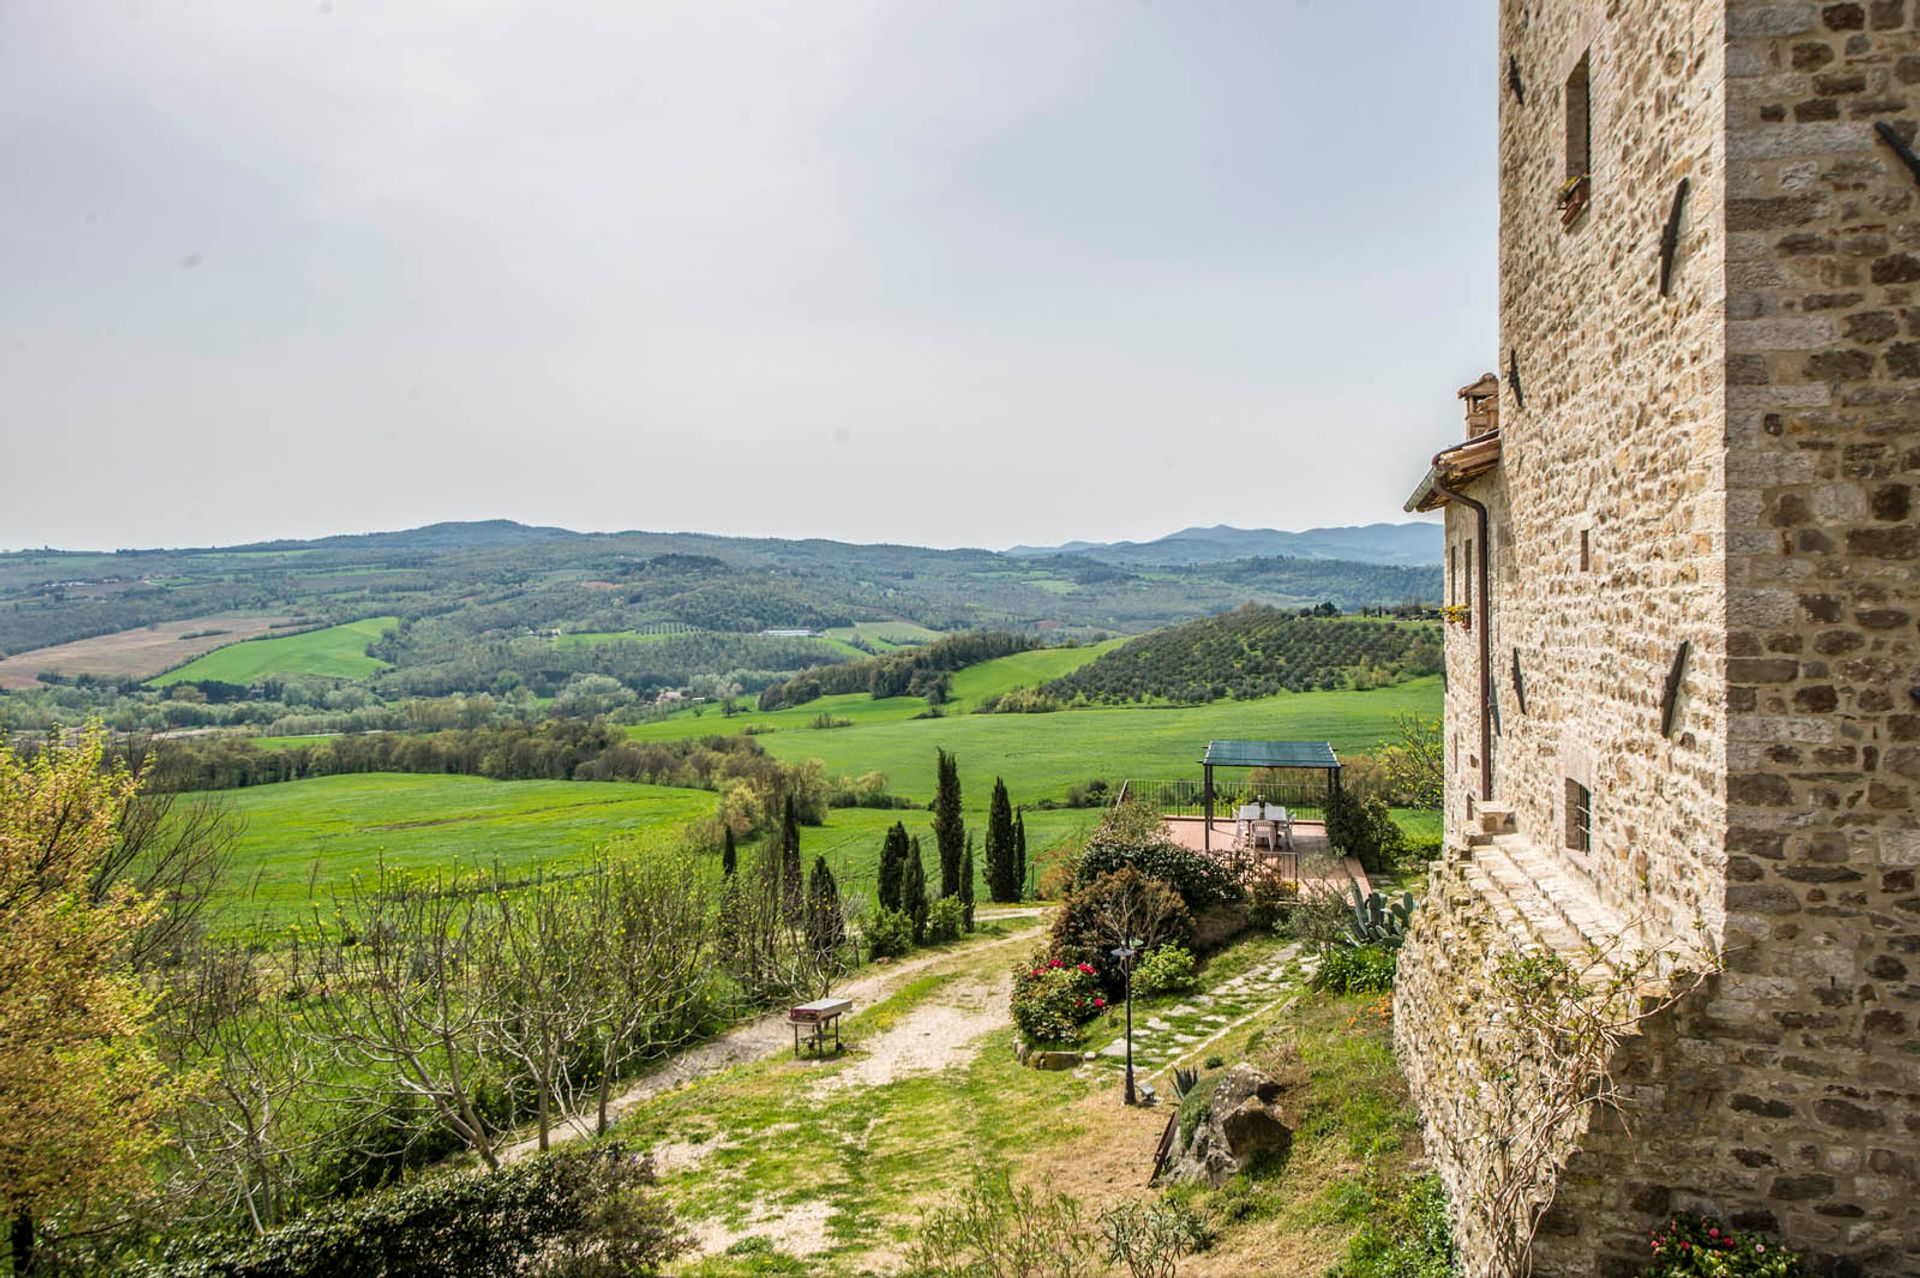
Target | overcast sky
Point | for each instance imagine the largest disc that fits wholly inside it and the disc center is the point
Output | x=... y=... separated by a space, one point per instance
x=968 y=273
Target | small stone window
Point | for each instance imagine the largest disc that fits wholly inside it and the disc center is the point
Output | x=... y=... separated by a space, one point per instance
x=1453 y=574
x=1586 y=550
x=1577 y=190
x=1579 y=817
x=1468 y=581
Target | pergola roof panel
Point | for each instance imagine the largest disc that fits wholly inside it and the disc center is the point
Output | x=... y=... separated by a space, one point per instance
x=1270 y=754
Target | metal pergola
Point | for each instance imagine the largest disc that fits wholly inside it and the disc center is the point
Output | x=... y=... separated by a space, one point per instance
x=1299 y=756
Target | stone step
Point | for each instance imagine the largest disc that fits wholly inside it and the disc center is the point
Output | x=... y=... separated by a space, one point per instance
x=1534 y=897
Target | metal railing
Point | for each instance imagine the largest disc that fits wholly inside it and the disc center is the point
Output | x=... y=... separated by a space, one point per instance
x=1304 y=797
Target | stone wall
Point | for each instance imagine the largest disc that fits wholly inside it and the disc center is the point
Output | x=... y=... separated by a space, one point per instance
x=1738 y=456
x=1822 y=1054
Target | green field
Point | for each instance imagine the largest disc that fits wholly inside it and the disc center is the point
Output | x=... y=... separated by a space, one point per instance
x=319 y=833
x=1022 y=670
x=886 y=635
x=337 y=652
x=304 y=839
x=1040 y=755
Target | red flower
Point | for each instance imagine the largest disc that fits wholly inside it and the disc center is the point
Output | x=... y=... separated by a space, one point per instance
x=1053 y=963
x=1099 y=1002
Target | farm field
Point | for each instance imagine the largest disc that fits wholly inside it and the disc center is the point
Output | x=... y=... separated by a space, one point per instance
x=337 y=652
x=970 y=687
x=303 y=837
x=1040 y=755
x=1022 y=670
x=885 y=635
x=135 y=654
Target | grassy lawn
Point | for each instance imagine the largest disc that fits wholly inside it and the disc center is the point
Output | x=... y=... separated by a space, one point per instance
x=337 y=652
x=787 y=1166
x=307 y=837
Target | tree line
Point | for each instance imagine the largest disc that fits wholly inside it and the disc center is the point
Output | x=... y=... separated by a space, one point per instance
x=917 y=672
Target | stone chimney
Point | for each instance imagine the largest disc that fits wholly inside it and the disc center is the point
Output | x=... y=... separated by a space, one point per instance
x=1483 y=405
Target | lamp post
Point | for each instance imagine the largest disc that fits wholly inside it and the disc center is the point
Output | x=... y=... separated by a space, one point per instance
x=1126 y=953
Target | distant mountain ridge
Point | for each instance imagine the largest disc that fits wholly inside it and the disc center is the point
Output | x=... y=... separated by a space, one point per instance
x=1402 y=545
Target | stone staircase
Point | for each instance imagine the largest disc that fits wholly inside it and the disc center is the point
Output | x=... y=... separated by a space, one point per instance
x=1533 y=895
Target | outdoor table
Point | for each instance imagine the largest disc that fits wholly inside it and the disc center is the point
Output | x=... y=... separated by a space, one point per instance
x=811 y=1021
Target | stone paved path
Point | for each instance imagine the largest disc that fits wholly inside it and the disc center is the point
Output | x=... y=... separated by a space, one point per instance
x=1190 y=1029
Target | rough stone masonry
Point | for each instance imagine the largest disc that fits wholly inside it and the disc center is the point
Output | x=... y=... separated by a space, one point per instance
x=1702 y=680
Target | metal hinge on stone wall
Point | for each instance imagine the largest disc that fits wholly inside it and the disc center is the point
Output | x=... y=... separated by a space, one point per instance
x=1670 y=703
x=1670 y=237
x=1513 y=376
x=1892 y=138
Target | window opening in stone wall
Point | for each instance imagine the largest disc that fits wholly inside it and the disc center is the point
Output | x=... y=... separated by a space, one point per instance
x=1586 y=551
x=1577 y=190
x=1579 y=817
x=1468 y=597
x=1453 y=574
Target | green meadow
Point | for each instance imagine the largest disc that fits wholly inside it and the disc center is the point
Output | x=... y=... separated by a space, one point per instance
x=1022 y=670
x=303 y=838
x=337 y=652
x=306 y=839
x=1040 y=755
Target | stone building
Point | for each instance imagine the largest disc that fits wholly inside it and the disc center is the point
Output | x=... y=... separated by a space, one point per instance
x=1683 y=672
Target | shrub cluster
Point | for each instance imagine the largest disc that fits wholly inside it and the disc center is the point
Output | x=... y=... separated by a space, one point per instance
x=567 y=1215
x=1200 y=881
x=1167 y=970
x=1356 y=969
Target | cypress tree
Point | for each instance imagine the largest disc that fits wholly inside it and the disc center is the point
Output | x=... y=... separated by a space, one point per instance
x=1020 y=857
x=913 y=896
x=826 y=925
x=966 y=882
x=949 y=827
x=893 y=866
x=729 y=855
x=792 y=880
x=1002 y=881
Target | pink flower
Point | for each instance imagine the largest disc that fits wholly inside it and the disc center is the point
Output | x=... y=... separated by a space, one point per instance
x=1099 y=1002
x=1054 y=963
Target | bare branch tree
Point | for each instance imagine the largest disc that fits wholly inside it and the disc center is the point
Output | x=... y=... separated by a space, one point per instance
x=397 y=1000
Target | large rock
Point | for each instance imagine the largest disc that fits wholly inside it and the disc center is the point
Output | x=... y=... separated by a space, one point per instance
x=1242 y=1123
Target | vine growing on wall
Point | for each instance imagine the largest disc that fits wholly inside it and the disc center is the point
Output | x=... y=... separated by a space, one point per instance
x=1558 y=1034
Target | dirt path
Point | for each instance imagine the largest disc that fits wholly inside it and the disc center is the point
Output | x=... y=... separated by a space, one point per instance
x=930 y=1037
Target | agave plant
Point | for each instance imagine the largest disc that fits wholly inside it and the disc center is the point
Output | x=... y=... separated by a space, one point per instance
x=1184 y=1078
x=1376 y=920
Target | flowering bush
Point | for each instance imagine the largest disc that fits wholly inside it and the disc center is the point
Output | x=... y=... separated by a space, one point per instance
x=1052 y=999
x=1696 y=1247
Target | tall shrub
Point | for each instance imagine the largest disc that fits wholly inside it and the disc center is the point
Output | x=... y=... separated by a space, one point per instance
x=913 y=894
x=893 y=867
x=1003 y=883
x=949 y=826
